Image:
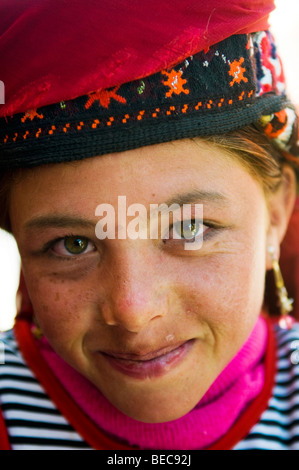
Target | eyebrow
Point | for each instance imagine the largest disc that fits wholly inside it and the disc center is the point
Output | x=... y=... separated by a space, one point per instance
x=59 y=221
x=191 y=197
x=197 y=195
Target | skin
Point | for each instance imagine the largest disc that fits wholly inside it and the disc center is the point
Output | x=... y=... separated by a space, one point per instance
x=138 y=296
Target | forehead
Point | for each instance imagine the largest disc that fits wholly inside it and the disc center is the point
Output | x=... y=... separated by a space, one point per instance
x=153 y=173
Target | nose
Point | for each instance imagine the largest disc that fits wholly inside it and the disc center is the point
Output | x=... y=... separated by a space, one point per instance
x=137 y=295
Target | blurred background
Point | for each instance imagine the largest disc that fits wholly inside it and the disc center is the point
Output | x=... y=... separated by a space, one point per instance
x=285 y=27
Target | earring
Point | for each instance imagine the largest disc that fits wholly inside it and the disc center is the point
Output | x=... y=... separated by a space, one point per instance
x=36 y=331
x=286 y=321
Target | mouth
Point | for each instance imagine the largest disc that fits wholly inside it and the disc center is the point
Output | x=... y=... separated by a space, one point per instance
x=150 y=365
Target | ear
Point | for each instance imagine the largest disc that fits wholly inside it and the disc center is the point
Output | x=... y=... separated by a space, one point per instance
x=280 y=206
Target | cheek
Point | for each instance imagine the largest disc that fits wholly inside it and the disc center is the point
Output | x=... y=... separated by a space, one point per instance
x=226 y=290
x=62 y=309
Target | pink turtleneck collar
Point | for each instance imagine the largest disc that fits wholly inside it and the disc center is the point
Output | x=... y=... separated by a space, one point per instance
x=239 y=383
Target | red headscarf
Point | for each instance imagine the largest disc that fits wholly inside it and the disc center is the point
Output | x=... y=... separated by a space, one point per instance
x=54 y=50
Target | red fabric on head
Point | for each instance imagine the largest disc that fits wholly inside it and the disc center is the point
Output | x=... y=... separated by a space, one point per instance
x=57 y=50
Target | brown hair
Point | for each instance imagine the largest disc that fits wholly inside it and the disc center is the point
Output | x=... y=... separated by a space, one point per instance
x=249 y=145
x=256 y=153
x=6 y=180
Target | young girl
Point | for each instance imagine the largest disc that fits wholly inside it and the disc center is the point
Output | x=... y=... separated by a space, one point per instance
x=149 y=192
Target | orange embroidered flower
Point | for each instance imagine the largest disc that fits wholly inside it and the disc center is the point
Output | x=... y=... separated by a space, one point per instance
x=95 y=123
x=31 y=114
x=104 y=97
x=175 y=83
x=237 y=71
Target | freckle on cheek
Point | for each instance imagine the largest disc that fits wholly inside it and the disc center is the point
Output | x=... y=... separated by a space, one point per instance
x=57 y=297
x=45 y=308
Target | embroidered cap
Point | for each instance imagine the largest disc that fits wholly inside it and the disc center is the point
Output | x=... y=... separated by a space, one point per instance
x=231 y=84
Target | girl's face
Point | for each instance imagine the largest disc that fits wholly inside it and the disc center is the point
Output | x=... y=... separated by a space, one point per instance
x=150 y=323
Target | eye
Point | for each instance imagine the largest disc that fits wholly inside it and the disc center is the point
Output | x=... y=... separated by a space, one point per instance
x=72 y=246
x=188 y=229
x=189 y=234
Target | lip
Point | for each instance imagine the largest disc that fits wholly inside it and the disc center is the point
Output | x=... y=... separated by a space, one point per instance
x=150 y=365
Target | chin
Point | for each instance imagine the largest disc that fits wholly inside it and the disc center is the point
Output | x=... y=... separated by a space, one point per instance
x=156 y=407
x=156 y=416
